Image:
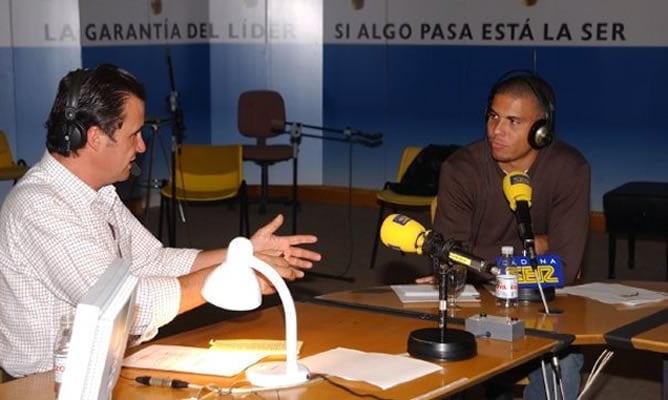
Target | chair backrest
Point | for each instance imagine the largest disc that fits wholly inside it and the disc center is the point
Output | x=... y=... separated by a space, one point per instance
x=208 y=168
x=407 y=158
x=261 y=114
x=6 y=157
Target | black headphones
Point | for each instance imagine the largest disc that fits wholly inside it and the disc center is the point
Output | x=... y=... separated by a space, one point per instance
x=74 y=136
x=541 y=133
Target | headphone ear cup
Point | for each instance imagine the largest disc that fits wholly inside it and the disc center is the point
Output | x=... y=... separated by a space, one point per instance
x=75 y=137
x=540 y=134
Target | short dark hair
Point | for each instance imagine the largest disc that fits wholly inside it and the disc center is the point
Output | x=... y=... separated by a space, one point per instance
x=523 y=84
x=100 y=94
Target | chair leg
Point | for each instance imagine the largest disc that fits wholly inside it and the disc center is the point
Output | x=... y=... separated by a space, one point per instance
x=612 y=254
x=162 y=200
x=165 y=209
x=632 y=250
x=244 y=226
x=294 y=195
x=264 y=188
x=666 y=267
x=381 y=212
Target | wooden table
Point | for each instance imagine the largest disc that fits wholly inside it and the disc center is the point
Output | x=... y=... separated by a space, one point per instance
x=320 y=327
x=642 y=327
x=589 y=320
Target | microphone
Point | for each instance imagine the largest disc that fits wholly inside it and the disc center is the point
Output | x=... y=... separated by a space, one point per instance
x=135 y=170
x=150 y=120
x=278 y=125
x=369 y=136
x=173 y=94
x=165 y=382
x=517 y=189
x=402 y=233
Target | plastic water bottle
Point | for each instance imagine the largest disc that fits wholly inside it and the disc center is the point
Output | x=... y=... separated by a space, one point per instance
x=61 y=349
x=507 y=253
x=506 y=282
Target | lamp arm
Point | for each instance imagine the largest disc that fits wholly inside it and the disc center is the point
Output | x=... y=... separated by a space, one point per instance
x=288 y=308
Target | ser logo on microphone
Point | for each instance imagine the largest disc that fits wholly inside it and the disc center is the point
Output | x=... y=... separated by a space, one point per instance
x=549 y=271
x=520 y=179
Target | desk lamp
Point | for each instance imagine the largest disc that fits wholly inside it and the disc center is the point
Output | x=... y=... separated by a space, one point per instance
x=234 y=286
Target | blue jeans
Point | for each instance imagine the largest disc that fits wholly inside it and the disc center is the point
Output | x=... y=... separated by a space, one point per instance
x=571 y=366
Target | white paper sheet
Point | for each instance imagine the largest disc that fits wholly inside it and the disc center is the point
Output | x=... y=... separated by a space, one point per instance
x=615 y=293
x=192 y=360
x=382 y=370
x=414 y=293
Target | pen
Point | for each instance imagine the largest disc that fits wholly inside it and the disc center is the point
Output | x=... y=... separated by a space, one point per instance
x=166 y=382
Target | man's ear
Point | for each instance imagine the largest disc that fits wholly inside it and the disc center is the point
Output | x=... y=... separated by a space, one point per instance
x=94 y=137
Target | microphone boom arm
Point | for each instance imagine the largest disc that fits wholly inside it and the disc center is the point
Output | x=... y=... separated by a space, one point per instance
x=347 y=135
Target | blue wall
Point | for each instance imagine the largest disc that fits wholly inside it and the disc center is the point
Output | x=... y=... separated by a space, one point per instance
x=609 y=99
x=190 y=71
x=609 y=103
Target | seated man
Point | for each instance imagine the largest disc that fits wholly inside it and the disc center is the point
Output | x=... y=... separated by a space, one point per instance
x=472 y=207
x=64 y=223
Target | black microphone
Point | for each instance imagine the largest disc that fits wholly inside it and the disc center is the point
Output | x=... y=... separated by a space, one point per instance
x=278 y=125
x=135 y=170
x=402 y=233
x=172 y=100
x=369 y=136
x=151 y=120
x=164 y=382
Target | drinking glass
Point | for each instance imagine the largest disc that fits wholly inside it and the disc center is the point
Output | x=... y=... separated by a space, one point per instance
x=456 y=280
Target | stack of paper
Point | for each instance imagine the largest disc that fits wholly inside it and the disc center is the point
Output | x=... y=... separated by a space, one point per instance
x=192 y=359
x=265 y=346
x=414 y=293
x=382 y=370
x=615 y=293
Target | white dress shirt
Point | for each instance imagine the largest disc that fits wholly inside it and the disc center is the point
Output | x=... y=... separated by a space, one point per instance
x=57 y=236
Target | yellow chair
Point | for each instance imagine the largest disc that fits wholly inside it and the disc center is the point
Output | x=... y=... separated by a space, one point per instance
x=9 y=170
x=387 y=197
x=206 y=173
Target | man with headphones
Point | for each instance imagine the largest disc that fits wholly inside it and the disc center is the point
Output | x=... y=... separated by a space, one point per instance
x=472 y=208
x=63 y=223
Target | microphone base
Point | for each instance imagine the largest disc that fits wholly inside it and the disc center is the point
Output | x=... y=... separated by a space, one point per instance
x=433 y=345
x=532 y=295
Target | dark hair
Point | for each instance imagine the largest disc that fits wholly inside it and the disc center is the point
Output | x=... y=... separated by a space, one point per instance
x=523 y=84
x=98 y=96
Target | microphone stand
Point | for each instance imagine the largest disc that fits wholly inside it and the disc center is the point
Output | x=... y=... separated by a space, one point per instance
x=441 y=344
x=530 y=248
x=349 y=136
x=177 y=140
x=154 y=124
x=529 y=242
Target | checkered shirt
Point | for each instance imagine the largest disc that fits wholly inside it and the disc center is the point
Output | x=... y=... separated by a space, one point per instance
x=57 y=236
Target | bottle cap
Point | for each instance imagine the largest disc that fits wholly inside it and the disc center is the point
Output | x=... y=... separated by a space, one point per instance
x=507 y=250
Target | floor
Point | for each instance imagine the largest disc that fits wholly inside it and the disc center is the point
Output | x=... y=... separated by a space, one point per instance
x=345 y=239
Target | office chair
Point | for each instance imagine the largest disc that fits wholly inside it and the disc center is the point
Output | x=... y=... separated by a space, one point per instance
x=261 y=115
x=10 y=170
x=389 y=197
x=207 y=173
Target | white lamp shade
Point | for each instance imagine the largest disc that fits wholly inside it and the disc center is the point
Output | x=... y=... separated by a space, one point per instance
x=233 y=285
